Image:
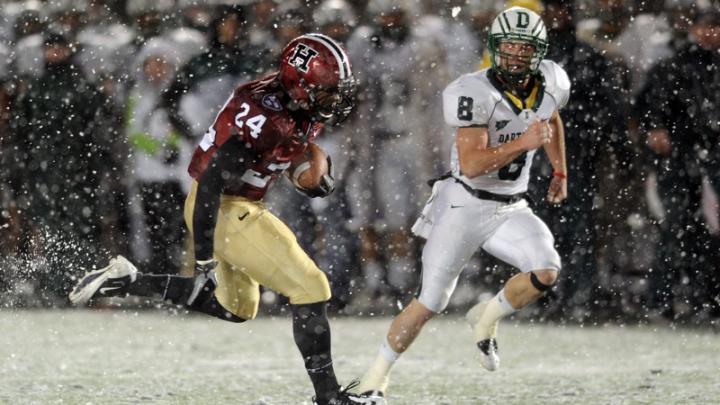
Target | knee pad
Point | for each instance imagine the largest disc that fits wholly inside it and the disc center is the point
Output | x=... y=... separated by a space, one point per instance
x=538 y=284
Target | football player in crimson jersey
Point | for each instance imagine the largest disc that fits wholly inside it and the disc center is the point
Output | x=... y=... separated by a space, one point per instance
x=263 y=127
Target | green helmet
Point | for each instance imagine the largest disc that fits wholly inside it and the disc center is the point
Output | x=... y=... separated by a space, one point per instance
x=517 y=24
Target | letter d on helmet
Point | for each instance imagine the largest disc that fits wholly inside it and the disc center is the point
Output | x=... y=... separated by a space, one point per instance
x=519 y=25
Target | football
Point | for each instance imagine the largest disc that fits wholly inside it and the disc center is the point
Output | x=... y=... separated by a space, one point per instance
x=307 y=169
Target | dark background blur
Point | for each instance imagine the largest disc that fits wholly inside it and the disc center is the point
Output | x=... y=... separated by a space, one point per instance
x=102 y=103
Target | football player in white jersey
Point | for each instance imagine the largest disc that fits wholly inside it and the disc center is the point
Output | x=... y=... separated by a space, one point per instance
x=501 y=116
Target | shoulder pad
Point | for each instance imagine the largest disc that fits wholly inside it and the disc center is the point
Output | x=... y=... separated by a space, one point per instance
x=557 y=82
x=470 y=100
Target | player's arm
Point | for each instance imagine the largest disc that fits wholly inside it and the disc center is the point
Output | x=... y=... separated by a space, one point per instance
x=232 y=138
x=207 y=200
x=220 y=169
x=205 y=212
x=555 y=150
x=470 y=115
x=476 y=158
x=312 y=173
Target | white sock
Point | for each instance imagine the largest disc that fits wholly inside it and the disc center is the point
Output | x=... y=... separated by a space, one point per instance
x=388 y=353
x=377 y=376
x=507 y=309
x=497 y=308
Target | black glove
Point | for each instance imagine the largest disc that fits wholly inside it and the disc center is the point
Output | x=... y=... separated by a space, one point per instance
x=205 y=281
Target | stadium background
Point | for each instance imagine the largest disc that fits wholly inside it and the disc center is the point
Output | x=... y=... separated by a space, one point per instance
x=102 y=102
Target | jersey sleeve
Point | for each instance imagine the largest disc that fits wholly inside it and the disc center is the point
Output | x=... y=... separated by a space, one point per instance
x=557 y=82
x=464 y=105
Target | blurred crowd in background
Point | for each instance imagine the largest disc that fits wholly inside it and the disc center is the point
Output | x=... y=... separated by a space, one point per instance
x=103 y=101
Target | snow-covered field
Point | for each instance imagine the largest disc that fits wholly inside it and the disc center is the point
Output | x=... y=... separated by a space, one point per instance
x=117 y=357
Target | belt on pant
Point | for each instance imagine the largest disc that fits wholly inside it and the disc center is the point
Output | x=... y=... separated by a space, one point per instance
x=482 y=194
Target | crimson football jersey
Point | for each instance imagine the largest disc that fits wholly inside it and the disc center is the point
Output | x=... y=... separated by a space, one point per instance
x=272 y=135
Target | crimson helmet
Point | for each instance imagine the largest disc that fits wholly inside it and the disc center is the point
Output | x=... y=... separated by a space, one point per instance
x=315 y=72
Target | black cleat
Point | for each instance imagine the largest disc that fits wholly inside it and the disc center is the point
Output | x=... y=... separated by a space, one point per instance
x=344 y=397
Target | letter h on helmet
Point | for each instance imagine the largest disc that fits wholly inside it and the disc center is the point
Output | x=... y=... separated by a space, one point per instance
x=315 y=72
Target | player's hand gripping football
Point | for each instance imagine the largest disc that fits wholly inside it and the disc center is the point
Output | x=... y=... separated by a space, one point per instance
x=538 y=134
x=205 y=281
x=557 y=192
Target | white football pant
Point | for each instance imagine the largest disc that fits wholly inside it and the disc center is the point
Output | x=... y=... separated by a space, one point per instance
x=456 y=223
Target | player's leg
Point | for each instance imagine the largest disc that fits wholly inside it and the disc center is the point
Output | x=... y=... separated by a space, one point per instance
x=263 y=247
x=121 y=278
x=403 y=331
x=450 y=244
x=236 y=298
x=525 y=242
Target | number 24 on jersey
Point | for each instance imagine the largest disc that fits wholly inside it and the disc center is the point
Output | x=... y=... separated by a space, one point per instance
x=255 y=123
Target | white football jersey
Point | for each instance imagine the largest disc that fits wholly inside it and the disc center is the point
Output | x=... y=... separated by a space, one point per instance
x=476 y=99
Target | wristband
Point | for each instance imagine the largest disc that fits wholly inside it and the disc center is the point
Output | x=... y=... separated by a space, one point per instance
x=559 y=174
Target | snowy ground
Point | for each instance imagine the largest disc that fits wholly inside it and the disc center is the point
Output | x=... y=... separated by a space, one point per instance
x=116 y=357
